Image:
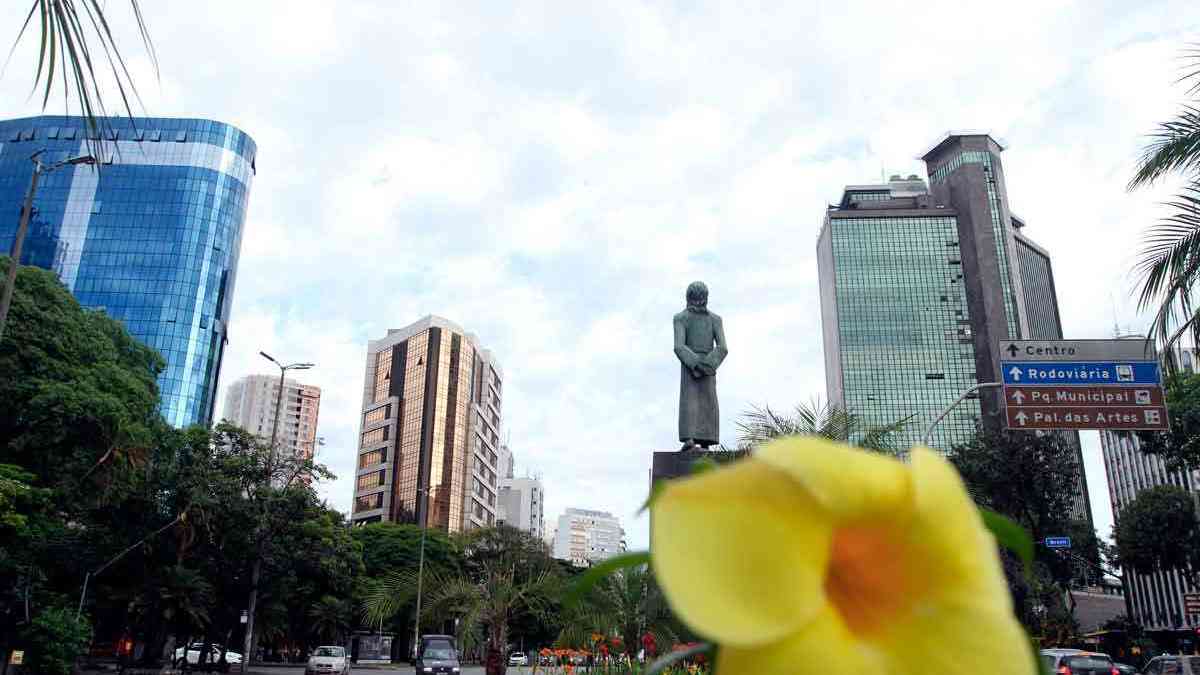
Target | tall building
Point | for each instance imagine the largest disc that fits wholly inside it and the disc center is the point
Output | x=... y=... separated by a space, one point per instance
x=918 y=285
x=430 y=429
x=1157 y=598
x=522 y=504
x=151 y=236
x=250 y=403
x=586 y=537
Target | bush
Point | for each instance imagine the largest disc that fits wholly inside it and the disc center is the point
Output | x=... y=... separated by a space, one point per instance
x=54 y=640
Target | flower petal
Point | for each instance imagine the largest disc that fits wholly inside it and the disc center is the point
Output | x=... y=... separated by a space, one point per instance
x=950 y=534
x=958 y=639
x=824 y=646
x=851 y=484
x=740 y=552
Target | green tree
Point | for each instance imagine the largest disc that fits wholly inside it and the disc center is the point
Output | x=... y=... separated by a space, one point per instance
x=818 y=418
x=1180 y=446
x=627 y=604
x=1170 y=259
x=1159 y=531
x=331 y=618
x=55 y=639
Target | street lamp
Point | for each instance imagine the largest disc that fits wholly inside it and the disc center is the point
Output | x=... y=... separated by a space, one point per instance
x=279 y=395
x=424 y=522
x=256 y=570
x=26 y=210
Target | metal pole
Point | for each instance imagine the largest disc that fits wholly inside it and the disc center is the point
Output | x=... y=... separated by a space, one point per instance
x=82 y=594
x=420 y=573
x=18 y=244
x=952 y=406
x=278 y=405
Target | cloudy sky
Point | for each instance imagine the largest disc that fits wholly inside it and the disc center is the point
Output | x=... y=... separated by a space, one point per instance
x=552 y=175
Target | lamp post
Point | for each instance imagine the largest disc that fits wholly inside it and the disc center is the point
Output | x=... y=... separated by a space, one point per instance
x=952 y=406
x=256 y=570
x=424 y=522
x=26 y=211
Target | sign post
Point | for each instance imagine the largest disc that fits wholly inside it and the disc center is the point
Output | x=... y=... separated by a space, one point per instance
x=1082 y=384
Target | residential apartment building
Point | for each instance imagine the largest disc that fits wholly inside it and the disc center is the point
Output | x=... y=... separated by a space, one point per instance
x=918 y=283
x=522 y=503
x=586 y=537
x=250 y=403
x=1157 y=598
x=430 y=429
x=151 y=237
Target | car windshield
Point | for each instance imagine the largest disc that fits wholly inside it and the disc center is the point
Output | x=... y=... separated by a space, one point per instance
x=439 y=651
x=1093 y=662
x=329 y=651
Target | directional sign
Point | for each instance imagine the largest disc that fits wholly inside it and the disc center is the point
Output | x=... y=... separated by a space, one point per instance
x=1191 y=602
x=1082 y=384
x=1067 y=395
x=1077 y=350
x=1057 y=542
x=1144 y=418
x=1081 y=372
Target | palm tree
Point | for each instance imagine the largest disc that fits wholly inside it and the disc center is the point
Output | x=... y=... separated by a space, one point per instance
x=76 y=42
x=490 y=599
x=818 y=418
x=628 y=604
x=330 y=618
x=1170 y=260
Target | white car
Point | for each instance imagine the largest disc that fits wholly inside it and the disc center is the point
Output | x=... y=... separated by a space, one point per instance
x=328 y=660
x=518 y=659
x=193 y=655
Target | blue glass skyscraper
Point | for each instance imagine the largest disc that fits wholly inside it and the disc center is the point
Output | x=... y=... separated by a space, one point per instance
x=151 y=237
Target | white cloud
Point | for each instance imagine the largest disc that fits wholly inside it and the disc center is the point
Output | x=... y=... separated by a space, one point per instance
x=551 y=176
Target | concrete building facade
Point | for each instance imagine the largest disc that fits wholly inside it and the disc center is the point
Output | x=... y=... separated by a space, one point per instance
x=250 y=403
x=522 y=503
x=585 y=537
x=430 y=429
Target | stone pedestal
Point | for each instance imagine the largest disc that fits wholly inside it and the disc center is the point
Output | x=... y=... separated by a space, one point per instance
x=675 y=464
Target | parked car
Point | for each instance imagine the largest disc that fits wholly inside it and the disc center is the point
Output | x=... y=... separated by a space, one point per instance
x=1077 y=662
x=437 y=655
x=518 y=659
x=328 y=660
x=1124 y=669
x=1173 y=665
x=214 y=657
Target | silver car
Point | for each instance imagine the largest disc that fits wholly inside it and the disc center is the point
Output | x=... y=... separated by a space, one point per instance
x=329 y=660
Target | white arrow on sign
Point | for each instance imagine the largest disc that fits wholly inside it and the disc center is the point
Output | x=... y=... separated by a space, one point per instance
x=1016 y=373
x=1021 y=417
x=1018 y=397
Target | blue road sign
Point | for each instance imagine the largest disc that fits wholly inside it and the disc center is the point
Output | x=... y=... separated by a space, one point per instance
x=1057 y=542
x=1081 y=372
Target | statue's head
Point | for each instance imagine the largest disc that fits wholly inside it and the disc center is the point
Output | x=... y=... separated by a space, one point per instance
x=697 y=295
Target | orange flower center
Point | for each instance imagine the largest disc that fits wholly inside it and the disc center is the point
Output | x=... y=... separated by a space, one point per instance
x=869 y=579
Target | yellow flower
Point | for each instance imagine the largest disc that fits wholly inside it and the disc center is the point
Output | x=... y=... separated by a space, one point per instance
x=813 y=557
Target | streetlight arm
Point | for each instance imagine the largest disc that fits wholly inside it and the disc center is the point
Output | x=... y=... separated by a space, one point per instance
x=952 y=406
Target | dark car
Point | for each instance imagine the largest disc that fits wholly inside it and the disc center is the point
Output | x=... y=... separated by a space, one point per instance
x=437 y=655
x=1124 y=669
x=1077 y=662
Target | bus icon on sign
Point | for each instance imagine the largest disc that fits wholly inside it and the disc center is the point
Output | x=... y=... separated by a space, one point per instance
x=1125 y=373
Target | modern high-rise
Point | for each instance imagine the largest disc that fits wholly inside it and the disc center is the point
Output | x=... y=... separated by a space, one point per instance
x=919 y=283
x=151 y=236
x=430 y=429
x=250 y=403
x=586 y=537
x=1157 y=598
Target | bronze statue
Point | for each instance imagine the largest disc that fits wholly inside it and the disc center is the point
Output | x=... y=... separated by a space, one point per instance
x=700 y=346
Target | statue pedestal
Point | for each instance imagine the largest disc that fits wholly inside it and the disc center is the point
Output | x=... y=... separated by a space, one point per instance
x=677 y=464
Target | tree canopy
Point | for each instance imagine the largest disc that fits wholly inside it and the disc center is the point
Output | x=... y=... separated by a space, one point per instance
x=1159 y=531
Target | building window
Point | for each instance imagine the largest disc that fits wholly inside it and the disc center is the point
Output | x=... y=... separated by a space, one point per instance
x=369 y=502
x=370 y=480
x=378 y=414
x=374 y=436
x=374 y=457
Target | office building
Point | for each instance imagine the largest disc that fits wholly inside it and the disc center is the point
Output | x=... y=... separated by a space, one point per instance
x=1157 y=598
x=586 y=537
x=250 y=403
x=521 y=505
x=919 y=283
x=430 y=430
x=151 y=236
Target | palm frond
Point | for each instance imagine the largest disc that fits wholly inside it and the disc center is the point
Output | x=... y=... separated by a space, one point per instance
x=1169 y=267
x=1174 y=146
x=75 y=40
